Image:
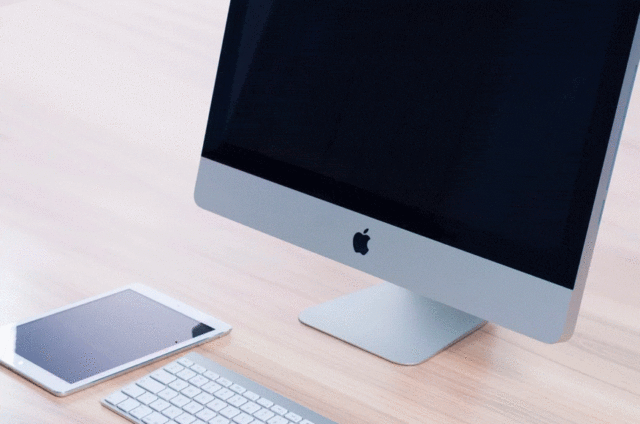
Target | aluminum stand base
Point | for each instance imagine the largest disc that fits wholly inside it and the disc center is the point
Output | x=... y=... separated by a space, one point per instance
x=392 y=322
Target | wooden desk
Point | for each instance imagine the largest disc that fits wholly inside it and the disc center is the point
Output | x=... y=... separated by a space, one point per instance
x=103 y=107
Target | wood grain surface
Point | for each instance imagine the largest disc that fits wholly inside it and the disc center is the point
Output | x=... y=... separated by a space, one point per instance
x=103 y=108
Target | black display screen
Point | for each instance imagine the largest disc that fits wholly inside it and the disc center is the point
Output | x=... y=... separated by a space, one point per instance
x=480 y=124
x=97 y=336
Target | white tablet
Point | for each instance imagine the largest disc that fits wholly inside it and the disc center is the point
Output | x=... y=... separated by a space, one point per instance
x=73 y=347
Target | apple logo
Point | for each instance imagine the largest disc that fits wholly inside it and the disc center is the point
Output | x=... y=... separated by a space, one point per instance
x=360 y=241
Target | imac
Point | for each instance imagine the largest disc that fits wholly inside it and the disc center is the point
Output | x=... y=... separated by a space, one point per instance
x=458 y=149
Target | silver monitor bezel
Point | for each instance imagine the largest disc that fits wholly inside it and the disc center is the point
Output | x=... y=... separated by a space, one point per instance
x=529 y=305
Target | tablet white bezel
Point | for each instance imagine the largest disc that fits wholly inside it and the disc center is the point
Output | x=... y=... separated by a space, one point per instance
x=59 y=387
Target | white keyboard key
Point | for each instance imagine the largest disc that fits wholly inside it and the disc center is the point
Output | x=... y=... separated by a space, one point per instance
x=128 y=405
x=186 y=374
x=250 y=407
x=186 y=392
x=224 y=393
x=293 y=417
x=216 y=405
x=134 y=390
x=167 y=394
x=173 y=368
x=155 y=418
x=211 y=387
x=191 y=391
x=185 y=362
x=251 y=395
x=172 y=412
x=180 y=401
x=237 y=401
x=229 y=412
x=163 y=376
x=147 y=398
x=193 y=407
x=178 y=385
x=198 y=380
x=116 y=397
x=203 y=398
x=224 y=382
x=206 y=414
x=263 y=414
x=265 y=402
x=198 y=368
x=150 y=385
x=185 y=419
x=238 y=388
x=160 y=405
x=141 y=411
x=243 y=418
x=279 y=409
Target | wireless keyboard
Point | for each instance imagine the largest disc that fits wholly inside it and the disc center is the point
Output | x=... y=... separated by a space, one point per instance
x=196 y=390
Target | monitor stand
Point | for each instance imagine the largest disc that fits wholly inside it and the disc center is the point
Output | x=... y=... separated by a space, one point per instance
x=392 y=322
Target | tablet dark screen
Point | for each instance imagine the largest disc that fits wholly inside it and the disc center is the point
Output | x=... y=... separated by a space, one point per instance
x=482 y=124
x=94 y=337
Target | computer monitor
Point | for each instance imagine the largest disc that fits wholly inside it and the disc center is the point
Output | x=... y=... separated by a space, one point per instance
x=458 y=149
